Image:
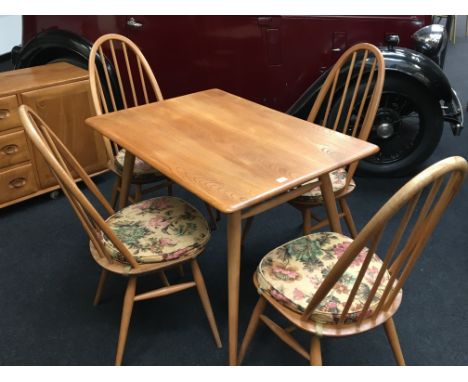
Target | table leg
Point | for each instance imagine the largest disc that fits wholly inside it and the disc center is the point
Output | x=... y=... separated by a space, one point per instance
x=234 y=256
x=127 y=172
x=330 y=203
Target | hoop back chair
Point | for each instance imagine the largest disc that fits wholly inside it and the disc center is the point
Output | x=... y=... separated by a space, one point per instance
x=116 y=86
x=347 y=102
x=349 y=108
x=130 y=242
x=331 y=285
x=124 y=81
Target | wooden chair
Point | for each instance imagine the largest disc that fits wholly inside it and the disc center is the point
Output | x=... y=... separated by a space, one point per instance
x=330 y=285
x=349 y=108
x=126 y=81
x=145 y=238
x=114 y=89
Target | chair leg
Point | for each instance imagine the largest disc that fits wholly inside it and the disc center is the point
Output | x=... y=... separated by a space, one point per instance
x=307 y=220
x=115 y=192
x=348 y=217
x=163 y=277
x=246 y=229
x=209 y=209
x=100 y=288
x=125 y=322
x=252 y=327
x=315 y=352
x=392 y=336
x=138 y=193
x=201 y=287
x=181 y=270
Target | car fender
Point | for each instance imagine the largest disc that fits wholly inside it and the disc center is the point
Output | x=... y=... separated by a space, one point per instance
x=398 y=61
x=50 y=44
x=420 y=68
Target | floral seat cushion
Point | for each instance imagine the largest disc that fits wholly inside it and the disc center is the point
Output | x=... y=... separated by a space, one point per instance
x=293 y=272
x=140 y=169
x=159 y=229
x=338 y=181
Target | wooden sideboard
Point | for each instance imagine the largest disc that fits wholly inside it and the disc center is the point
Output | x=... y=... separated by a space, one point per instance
x=59 y=93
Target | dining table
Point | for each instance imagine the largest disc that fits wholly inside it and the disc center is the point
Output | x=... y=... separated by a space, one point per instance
x=240 y=157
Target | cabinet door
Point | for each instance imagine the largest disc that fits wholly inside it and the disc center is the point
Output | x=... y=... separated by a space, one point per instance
x=64 y=108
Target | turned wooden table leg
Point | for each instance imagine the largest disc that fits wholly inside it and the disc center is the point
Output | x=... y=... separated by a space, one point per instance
x=330 y=203
x=129 y=163
x=234 y=253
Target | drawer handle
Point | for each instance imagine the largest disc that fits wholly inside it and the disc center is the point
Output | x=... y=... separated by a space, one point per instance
x=17 y=183
x=10 y=149
x=4 y=113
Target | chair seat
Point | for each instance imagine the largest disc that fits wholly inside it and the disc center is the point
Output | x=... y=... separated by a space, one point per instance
x=141 y=169
x=158 y=229
x=292 y=273
x=338 y=181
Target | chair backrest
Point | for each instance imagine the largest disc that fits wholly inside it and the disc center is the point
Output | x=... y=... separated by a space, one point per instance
x=61 y=163
x=125 y=80
x=398 y=232
x=349 y=98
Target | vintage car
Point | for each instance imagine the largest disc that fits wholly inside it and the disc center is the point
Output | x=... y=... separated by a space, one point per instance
x=281 y=62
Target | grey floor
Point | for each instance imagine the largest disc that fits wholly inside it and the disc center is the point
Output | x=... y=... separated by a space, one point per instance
x=48 y=281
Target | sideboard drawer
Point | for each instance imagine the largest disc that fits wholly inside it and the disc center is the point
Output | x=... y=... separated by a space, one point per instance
x=17 y=182
x=9 y=113
x=13 y=149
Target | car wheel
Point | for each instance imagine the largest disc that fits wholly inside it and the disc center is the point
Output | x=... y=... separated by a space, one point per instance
x=407 y=128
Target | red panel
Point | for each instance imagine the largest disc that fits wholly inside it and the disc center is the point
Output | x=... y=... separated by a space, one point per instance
x=268 y=59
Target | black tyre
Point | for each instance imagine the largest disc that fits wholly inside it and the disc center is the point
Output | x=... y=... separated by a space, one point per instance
x=407 y=128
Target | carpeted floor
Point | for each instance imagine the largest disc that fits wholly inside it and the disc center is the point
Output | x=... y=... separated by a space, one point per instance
x=48 y=281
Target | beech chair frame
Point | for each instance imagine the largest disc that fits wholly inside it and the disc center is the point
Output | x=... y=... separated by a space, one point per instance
x=109 y=96
x=61 y=163
x=363 y=68
x=417 y=207
x=362 y=88
x=105 y=94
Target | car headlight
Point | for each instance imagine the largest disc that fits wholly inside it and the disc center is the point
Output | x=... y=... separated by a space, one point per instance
x=430 y=39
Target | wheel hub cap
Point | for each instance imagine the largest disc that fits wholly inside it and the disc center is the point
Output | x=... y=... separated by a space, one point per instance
x=385 y=130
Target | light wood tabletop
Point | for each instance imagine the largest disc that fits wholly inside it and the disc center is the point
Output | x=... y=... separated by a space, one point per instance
x=230 y=152
x=238 y=156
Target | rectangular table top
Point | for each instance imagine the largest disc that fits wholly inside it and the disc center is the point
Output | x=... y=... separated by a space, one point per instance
x=230 y=152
